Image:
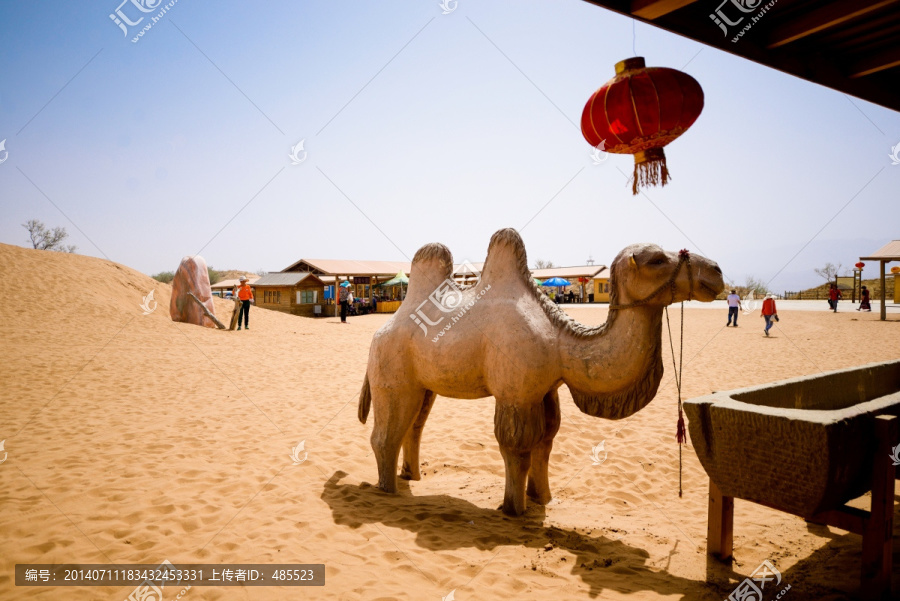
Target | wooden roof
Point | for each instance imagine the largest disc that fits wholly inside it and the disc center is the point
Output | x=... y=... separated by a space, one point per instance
x=852 y=46
x=580 y=271
x=341 y=267
x=229 y=284
x=887 y=253
x=336 y=267
x=285 y=279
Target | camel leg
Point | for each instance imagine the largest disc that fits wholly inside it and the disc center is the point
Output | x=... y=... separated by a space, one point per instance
x=410 y=469
x=538 y=477
x=518 y=429
x=394 y=417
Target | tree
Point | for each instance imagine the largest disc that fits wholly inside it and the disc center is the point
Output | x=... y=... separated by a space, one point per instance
x=828 y=272
x=167 y=276
x=261 y=272
x=542 y=264
x=164 y=276
x=757 y=286
x=44 y=239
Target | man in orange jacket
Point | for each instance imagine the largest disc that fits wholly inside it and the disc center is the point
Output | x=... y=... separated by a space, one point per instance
x=245 y=294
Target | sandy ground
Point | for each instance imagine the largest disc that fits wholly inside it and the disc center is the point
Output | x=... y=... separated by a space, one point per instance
x=132 y=439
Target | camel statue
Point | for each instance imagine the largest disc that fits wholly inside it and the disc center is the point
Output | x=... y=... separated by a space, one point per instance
x=502 y=337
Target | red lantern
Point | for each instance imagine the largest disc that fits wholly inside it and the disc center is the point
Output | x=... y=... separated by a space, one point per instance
x=860 y=265
x=639 y=111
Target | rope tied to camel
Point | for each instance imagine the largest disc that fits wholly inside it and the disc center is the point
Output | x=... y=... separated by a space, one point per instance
x=680 y=434
x=684 y=258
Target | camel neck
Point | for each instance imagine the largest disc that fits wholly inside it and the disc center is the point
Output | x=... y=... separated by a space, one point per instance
x=623 y=355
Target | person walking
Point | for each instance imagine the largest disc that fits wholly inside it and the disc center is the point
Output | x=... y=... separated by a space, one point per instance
x=734 y=303
x=344 y=297
x=834 y=295
x=245 y=295
x=769 y=312
x=864 y=300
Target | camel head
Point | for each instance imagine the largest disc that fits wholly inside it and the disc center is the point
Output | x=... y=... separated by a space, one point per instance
x=644 y=274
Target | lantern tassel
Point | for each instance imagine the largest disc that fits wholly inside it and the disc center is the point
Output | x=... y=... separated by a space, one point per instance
x=649 y=169
x=649 y=172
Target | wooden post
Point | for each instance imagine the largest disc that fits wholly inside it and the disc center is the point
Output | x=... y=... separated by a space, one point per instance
x=720 y=524
x=883 y=293
x=879 y=527
x=337 y=296
x=236 y=314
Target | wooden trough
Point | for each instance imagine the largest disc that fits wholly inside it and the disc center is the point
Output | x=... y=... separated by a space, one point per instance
x=806 y=446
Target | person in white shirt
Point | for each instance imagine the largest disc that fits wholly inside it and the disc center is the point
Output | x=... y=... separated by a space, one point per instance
x=734 y=303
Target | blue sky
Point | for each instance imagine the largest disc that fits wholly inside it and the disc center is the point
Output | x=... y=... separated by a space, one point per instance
x=418 y=127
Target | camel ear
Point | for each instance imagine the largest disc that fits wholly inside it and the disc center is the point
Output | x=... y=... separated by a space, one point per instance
x=632 y=261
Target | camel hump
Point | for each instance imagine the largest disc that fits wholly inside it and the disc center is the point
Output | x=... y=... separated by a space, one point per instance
x=506 y=258
x=432 y=264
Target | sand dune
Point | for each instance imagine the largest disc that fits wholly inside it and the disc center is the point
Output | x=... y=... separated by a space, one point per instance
x=132 y=439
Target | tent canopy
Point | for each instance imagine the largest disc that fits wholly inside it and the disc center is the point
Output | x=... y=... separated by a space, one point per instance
x=398 y=279
x=556 y=282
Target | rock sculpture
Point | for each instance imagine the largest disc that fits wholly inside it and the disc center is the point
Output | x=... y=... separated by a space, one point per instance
x=193 y=277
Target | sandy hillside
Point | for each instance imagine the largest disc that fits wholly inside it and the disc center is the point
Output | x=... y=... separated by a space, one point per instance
x=132 y=439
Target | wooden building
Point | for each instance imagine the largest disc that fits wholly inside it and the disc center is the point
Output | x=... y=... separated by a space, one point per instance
x=299 y=293
x=886 y=254
x=579 y=277
x=601 y=286
x=223 y=287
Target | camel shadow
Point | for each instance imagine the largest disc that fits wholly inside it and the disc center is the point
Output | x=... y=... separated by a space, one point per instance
x=443 y=523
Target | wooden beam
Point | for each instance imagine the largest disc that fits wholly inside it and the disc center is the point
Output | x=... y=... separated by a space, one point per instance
x=877 y=552
x=821 y=66
x=206 y=312
x=823 y=18
x=886 y=59
x=654 y=9
x=720 y=523
x=883 y=293
x=846 y=518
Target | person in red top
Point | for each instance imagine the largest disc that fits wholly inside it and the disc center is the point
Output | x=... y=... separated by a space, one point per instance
x=834 y=295
x=245 y=294
x=769 y=312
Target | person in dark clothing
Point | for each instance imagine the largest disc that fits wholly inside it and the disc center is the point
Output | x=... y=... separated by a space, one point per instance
x=864 y=300
x=345 y=298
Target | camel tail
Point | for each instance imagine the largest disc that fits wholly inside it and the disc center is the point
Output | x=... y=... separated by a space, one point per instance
x=365 y=400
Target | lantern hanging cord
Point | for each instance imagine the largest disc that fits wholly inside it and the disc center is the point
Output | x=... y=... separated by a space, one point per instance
x=680 y=435
x=633 y=37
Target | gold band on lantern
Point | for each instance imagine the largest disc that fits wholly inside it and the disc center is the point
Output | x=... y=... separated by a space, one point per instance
x=628 y=64
x=651 y=154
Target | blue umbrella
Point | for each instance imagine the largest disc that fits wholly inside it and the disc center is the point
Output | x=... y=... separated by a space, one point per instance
x=556 y=282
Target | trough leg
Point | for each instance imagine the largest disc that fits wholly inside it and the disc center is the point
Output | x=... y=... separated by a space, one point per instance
x=879 y=527
x=720 y=529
